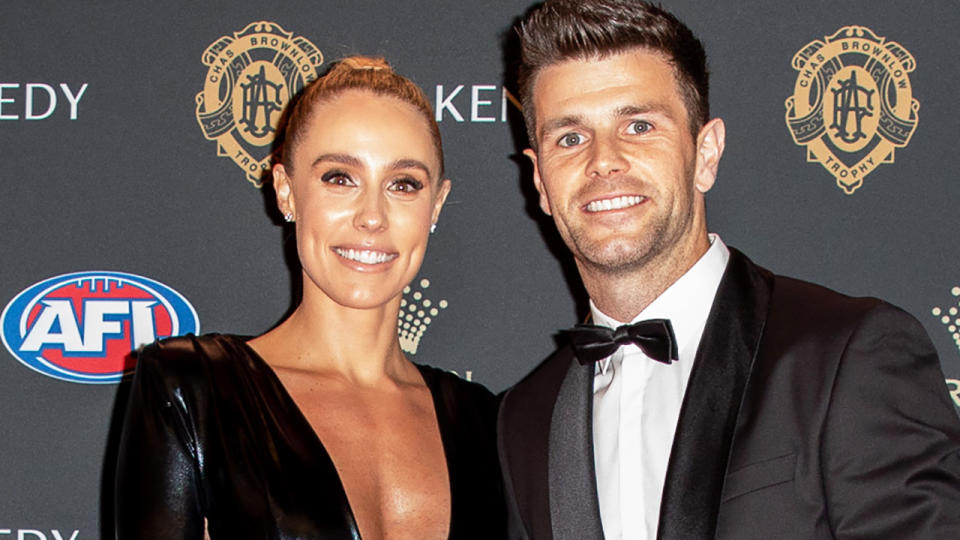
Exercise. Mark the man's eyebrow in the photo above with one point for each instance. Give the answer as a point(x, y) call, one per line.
point(620, 112)
point(560, 123)
point(631, 110)
point(409, 163)
point(345, 159)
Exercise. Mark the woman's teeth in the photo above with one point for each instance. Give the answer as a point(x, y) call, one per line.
point(365, 256)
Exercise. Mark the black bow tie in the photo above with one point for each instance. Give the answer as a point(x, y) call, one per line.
point(592, 343)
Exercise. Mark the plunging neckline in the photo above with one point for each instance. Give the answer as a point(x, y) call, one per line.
point(289, 402)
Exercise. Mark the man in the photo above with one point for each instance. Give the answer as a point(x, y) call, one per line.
point(748, 405)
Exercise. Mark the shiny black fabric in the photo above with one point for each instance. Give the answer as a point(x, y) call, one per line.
point(592, 343)
point(211, 433)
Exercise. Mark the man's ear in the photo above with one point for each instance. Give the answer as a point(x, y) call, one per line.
point(538, 182)
point(283, 187)
point(710, 144)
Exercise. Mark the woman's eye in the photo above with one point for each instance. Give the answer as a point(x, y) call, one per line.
point(337, 178)
point(570, 139)
point(406, 185)
point(639, 126)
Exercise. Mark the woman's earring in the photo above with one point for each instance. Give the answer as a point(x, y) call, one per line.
point(288, 217)
point(433, 228)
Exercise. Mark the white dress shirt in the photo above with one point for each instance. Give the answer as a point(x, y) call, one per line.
point(636, 402)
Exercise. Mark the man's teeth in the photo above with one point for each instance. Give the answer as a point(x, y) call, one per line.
point(366, 256)
point(614, 204)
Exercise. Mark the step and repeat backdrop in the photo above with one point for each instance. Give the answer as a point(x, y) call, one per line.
point(135, 204)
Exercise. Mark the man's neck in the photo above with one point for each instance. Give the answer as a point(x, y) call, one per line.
point(622, 295)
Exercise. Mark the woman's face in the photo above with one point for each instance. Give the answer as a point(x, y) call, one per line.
point(364, 191)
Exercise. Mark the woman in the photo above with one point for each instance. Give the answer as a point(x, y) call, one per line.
point(321, 428)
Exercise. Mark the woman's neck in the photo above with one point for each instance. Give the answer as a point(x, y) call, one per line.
point(359, 345)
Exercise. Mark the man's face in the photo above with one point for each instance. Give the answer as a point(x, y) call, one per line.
point(617, 166)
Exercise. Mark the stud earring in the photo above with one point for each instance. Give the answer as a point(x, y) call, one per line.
point(433, 228)
point(288, 217)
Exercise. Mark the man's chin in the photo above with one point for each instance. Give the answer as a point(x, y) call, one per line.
point(617, 258)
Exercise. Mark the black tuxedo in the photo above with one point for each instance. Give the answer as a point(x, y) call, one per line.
point(808, 414)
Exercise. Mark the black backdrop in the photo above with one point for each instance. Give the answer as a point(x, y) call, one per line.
point(125, 180)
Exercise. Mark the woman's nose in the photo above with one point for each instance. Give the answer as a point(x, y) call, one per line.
point(371, 216)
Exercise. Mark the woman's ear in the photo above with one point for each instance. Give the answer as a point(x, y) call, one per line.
point(442, 192)
point(283, 187)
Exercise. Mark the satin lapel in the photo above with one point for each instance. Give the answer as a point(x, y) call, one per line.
point(701, 446)
point(574, 506)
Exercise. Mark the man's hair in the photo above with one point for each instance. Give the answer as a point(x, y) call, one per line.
point(560, 30)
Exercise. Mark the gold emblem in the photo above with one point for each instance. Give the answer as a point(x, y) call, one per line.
point(251, 77)
point(416, 313)
point(950, 318)
point(852, 104)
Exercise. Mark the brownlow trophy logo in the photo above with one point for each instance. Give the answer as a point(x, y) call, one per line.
point(852, 104)
point(251, 76)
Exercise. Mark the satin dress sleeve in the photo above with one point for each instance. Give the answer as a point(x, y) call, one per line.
point(158, 494)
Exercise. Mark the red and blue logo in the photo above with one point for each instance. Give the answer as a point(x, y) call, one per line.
point(84, 327)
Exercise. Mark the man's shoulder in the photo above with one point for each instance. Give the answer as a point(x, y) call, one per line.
point(550, 372)
point(798, 294)
point(536, 393)
point(802, 309)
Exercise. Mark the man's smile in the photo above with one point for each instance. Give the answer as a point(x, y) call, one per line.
point(614, 203)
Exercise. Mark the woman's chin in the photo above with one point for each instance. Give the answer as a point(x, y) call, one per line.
point(366, 299)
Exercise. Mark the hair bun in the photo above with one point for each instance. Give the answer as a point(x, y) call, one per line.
point(366, 62)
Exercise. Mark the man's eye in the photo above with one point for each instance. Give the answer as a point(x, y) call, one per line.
point(570, 139)
point(639, 126)
point(406, 185)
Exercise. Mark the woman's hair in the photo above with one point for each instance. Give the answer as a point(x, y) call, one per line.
point(356, 73)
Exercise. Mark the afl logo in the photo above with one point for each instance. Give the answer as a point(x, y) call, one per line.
point(83, 327)
point(251, 77)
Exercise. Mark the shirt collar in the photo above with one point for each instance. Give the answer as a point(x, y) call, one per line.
point(686, 303)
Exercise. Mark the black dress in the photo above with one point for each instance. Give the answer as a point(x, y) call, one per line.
point(210, 432)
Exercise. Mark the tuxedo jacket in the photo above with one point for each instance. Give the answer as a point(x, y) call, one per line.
point(808, 414)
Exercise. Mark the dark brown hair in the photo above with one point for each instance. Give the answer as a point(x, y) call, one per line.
point(356, 73)
point(560, 30)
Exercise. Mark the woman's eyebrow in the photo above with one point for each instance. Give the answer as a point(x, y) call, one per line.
point(345, 159)
point(409, 163)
